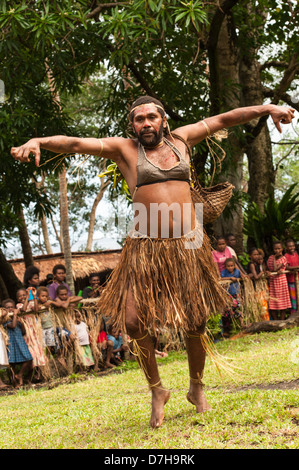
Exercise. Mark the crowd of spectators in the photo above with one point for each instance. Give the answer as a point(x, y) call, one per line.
point(31, 335)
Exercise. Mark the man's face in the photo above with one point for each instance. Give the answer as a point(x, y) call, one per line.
point(148, 125)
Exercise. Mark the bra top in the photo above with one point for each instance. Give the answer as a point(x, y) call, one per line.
point(149, 173)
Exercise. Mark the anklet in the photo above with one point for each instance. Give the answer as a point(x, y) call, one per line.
point(197, 380)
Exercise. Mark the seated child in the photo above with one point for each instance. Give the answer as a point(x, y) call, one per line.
point(18, 351)
point(105, 346)
point(119, 348)
point(230, 272)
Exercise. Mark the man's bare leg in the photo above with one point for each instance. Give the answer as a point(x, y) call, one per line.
point(196, 360)
point(147, 361)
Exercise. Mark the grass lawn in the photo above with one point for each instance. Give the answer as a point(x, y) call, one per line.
point(257, 408)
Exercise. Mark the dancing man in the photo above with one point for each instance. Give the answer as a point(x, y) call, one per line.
point(160, 281)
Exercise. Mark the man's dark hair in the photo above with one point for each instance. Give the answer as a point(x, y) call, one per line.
point(145, 100)
point(58, 266)
point(29, 273)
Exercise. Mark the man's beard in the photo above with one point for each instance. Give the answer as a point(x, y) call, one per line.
point(154, 138)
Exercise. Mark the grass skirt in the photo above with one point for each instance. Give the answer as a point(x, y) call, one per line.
point(174, 281)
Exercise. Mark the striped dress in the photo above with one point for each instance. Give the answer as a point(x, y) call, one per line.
point(279, 297)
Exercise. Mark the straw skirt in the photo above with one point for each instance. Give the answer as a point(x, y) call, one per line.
point(174, 282)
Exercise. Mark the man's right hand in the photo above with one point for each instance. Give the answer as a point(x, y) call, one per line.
point(22, 153)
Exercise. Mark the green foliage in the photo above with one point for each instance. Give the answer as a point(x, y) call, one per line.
point(279, 221)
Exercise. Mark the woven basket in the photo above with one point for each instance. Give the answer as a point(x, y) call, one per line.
point(214, 199)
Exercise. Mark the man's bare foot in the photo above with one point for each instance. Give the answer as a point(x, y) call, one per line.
point(197, 397)
point(160, 397)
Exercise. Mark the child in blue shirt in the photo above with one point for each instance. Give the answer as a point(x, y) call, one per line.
point(230, 272)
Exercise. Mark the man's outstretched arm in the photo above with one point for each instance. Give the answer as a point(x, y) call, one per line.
point(194, 133)
point(109, 147)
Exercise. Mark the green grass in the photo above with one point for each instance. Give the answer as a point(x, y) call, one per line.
point(112, 412)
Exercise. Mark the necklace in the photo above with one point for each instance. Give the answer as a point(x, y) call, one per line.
point(160, 144)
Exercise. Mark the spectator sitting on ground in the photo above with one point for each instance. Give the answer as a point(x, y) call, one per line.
point(105, 346)
point(59, 273)
point(118, 347)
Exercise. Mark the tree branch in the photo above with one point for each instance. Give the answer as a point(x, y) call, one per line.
point(103, 6)
point(273, 63)
point(145, 85)
point(286, 97)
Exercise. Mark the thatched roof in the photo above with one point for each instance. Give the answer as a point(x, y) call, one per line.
point(84, 263)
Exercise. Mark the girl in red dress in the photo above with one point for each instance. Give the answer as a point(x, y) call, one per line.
point(279, 300)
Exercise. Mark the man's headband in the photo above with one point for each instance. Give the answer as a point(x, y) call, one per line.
point(157, 106)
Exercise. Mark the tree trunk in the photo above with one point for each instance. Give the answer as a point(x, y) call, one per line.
point(64, 214)
point(47, 243)
point(92, 216)
point(3, 290)
point(24, 238)
point(259, 150)
point(273, 325)
point(226, 95)
point(12, 283)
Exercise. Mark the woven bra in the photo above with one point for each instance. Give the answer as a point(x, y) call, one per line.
point(149, 173)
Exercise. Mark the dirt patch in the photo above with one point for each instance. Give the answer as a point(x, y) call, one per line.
point(287, 385)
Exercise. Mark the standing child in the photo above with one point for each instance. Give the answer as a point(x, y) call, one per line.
point(230, 272)
point(18, 352)
point(254, 268)
point(31, 279)
point(221, 253)
point(32, 323)
point(293, 263)
point(44, 304)
point(84, 340)
point(279, 300)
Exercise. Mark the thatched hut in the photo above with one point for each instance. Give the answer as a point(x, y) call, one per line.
point(83, 263)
